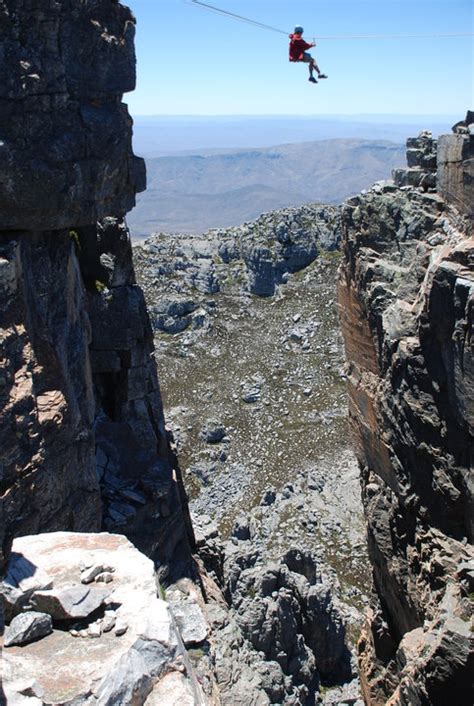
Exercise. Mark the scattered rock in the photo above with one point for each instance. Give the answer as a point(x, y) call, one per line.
point(88, 575)
point(108, 622)
point(94, 630)
point(70, 602)
point(192, 625)
point(27, 627)
point(105, 577)
point(251, 395)
point(121, 628)
point(213, 432)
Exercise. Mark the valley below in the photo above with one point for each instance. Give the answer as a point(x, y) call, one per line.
point(236, 460)
point(254, 394)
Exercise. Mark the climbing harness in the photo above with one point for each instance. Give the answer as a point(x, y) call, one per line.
point(262, 25)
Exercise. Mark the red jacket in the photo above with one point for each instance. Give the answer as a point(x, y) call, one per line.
point(297, 47)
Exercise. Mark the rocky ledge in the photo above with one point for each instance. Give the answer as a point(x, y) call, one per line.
point(86, 625)
point(406, 296)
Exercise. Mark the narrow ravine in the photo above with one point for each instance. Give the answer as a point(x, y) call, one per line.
point(255, 399)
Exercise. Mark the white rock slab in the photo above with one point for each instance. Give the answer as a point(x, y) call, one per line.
point(173, 690)
point(106, 670)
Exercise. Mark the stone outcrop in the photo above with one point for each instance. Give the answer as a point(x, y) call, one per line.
point(286, 611)
point(406, 294)
point(256, 257)
point(455, 181)
point(83, 443)
point(125, 648)
point(65, 137)
point(422, 163)
point(287, 630)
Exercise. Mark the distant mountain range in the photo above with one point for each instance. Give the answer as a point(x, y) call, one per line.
point(162, 135)
point(220, 188)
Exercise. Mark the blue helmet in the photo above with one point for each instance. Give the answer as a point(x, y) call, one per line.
point(299, 29)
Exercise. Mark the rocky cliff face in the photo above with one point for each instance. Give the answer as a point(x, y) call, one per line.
point(82, 437)
point(406, 295)
point(65, 139)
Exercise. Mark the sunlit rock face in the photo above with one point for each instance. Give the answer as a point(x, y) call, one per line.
point(406, 293)
point(65, 136)
point(83, 444)
point(111, 638)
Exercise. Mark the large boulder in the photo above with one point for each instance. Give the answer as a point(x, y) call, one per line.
point(27, 627)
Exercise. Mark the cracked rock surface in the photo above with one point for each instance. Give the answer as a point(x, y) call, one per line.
point(65, 141)
point(88, 657)
point(406, 296)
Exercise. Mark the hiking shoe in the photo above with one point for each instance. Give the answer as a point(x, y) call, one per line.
point(312, 79)
point(322, 76)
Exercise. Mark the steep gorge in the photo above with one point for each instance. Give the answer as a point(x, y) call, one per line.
point(82, 431)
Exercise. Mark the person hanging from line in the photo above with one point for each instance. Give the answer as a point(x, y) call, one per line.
point(298, 52)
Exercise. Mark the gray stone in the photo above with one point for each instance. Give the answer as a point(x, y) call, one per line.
point(73, 602)
point(268, 497)
point(105, 577)
point(27, 627)
point(108, 622)
point(90, 574)
point(192, 625)
point(94, 630)
point(241, 528)
point(252, 395)
point(120, 628)
point(213, 432)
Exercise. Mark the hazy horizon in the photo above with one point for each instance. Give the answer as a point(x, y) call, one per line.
point(162, 135)
point(305, 116)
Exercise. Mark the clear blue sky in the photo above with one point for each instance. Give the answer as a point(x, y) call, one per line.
point(193, 62)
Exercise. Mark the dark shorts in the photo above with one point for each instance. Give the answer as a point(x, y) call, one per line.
point(307, 58)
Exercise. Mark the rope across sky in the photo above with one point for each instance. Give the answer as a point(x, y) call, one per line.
point(269, 28)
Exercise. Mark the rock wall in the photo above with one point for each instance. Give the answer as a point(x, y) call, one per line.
point(65, 136)
point(406, 295)
point(82, 437)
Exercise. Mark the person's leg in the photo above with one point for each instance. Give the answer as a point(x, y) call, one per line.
point(308, 59)
point(314, 66)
